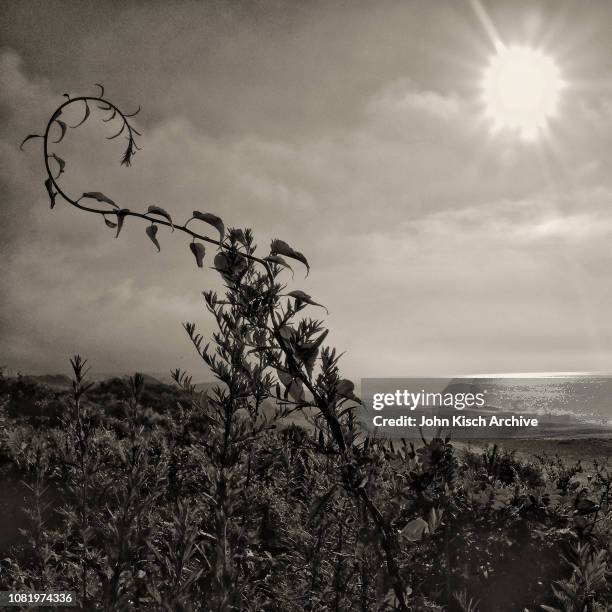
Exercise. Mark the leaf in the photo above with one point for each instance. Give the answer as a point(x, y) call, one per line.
point(296, 390)
point(152, 234)
point(228, 269)
point(118, 133)
point(435, 519)
point(212, 220)
point(113, 115)
point(132, 114)
point(84, 119)
point(157, 210)
point(319, 341)
point(28, 138)
point(52, 194)
point(120, 218)
point(197, 248)
point(276, 259)
point(346, 388)
point(304, 298)
point(96, 195)
point(280, 247)
point(415, 530)
point(237, 235)
point(363, 482)
point(293, 386)
point(221, 262)
point(307, 354)
point(60, 162)
point(109, 223)
point(63, 128)
point(126, 159)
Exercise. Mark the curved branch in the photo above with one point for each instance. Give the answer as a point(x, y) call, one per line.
point(54, 183)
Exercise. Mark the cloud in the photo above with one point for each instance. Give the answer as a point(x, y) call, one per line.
point(404, 97)
point(438, 247)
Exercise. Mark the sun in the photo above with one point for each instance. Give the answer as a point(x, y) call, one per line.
point(521, 90)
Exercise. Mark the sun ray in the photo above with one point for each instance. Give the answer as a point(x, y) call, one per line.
point(487, 24)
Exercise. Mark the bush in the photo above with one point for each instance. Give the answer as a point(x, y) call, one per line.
point(31, 401)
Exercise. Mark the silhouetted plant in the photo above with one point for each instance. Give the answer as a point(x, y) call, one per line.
point(256, 321)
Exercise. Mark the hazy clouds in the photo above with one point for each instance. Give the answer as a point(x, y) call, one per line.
point(350, 130)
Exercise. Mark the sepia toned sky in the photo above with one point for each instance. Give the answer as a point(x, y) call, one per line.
point(354, 131)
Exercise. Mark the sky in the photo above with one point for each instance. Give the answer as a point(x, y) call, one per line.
point(352, 130)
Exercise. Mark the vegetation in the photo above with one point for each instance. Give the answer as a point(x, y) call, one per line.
point(215, 501)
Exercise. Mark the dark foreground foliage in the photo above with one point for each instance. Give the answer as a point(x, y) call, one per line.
point(141, 506)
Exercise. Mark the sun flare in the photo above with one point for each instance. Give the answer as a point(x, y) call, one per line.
point(521, 87)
